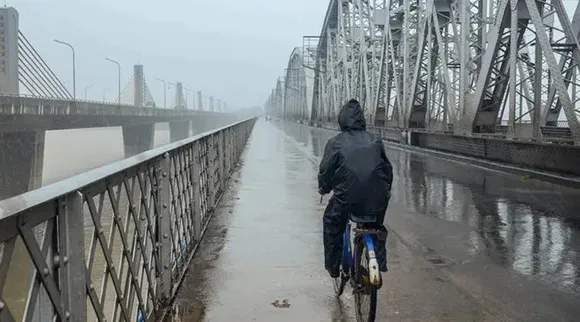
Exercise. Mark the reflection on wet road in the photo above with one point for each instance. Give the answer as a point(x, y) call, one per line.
point(527, 225)
point(264, 245)
point(499, 230)
point(466, 244)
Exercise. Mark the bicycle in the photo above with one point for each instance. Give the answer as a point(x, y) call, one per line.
point(360, 267)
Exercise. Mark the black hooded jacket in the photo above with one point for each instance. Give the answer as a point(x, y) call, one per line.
point(355, 165)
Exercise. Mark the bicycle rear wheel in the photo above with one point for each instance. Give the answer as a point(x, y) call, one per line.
point(339, 284)
point(365, 294)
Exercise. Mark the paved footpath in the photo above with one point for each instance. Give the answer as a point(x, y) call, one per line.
point(265, 244)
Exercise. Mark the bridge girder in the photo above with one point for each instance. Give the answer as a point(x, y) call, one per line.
point(452, 65)
point(349, 56)
point(298, 86)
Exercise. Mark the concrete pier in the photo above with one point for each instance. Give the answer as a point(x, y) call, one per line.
point(179, 130)
point(21, 160)
point(137, 138)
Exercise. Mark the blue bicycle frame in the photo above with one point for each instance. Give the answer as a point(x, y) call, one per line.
point(347, 260)
point(346, 252)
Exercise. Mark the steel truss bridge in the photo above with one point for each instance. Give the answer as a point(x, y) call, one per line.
point(502, 67)
point(115, 243)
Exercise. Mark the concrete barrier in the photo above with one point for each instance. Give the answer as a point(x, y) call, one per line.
point(558, 163)
point(563, 159)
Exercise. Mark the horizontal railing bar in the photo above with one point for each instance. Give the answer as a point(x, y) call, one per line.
point(17, 204)
point(33, 215)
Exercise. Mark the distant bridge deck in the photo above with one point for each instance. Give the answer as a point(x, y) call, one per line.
point(22, 113)
point(24, 120)
point(466, 244)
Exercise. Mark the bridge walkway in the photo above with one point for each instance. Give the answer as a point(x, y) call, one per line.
point(466, 244)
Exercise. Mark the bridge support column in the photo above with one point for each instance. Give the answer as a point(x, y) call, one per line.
point(206, 123)
point(138, 138)
point(178, 130)
point(21, 160)
point(199, 125)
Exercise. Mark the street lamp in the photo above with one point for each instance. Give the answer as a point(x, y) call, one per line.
point(73, 66)
point(164, 92)
point(105, 94)
point(118, 65)
point(187, 90)
point(174, 85)
point(205, 100)
point(86, 90)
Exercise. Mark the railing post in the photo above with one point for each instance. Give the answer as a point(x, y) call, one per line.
point(195, 173)
point(229, 135)
point(212, 172)
point(222, 160)
point(72, 257)
point(164, 224)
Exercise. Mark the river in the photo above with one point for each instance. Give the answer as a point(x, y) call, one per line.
point(68, 153)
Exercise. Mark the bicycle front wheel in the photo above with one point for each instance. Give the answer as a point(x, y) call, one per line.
point(365, 294)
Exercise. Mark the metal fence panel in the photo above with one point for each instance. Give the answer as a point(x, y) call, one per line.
point(114, 243)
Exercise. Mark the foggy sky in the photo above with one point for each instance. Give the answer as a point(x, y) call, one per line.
point(231, 49)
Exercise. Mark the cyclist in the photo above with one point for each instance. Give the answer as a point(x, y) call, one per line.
point(357, 169)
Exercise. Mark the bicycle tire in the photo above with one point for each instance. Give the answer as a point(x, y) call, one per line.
point(339, 285)
point(369, 290)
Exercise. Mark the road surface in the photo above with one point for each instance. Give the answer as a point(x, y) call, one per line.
point(466, 244)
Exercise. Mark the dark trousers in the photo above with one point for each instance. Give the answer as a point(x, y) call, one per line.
point(334, 224)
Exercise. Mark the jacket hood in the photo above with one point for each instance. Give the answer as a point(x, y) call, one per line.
point(351, 117)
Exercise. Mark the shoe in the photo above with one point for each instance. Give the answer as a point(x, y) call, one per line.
point(333, 274)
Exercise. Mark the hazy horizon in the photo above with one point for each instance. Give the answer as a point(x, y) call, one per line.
point(226, 49)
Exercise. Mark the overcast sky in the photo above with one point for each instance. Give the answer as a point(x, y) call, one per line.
point(231, 49)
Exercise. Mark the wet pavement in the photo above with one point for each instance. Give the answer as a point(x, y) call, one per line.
point(466, 244)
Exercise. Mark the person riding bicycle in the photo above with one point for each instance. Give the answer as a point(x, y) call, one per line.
point(354, 166)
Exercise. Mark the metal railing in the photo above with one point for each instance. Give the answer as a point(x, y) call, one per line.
point(550, 134)
point(112, 244)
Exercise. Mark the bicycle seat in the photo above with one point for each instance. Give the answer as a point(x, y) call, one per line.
point(370, 228)
point(361, 220)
